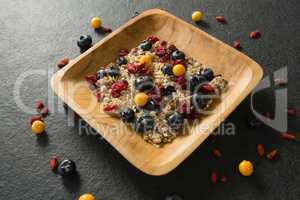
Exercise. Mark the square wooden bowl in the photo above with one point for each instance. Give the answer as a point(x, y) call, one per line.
point(69, 84)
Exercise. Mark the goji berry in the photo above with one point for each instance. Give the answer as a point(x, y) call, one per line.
point(288, 136)
point(53, 163)
point(39, 105)
point(62, 62)
point(214, 177)
point(260, 150)
point(220, 18)
point(217, 153)
point(110, 107)
point(273, 154)
point(152, 39)
point(236, 44)
point(255, 34)
point(106, 29)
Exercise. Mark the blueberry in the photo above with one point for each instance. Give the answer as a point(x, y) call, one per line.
point(168, 90)
point(144, 124)
point(113, 71)
point(176, 121)
point(195, 81)
point(178, 55)
point(66, 168)
point(151, 105)
point(208, 73)
point(127, 115)
point(101, 74)
point(199, 100)
point(121, 61)
point(173, 196)
point(143, 83)
point(146, 45)
point(167, 69)
point(84, 42)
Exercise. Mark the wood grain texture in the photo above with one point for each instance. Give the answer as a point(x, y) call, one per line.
point(70, 85)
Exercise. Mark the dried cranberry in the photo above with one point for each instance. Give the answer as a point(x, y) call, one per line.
point(163, 43)
point(62, 62)
point(236, 44)
point(106, 29)
point(160, 51)
point(164, 58)
point(92, 79)
point(152, 39)
point(220, 18)
point(39, 105)
point(110, 107)
point(255, 34)
point(118, 87)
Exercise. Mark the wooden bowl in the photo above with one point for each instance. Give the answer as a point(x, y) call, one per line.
point(69, 84)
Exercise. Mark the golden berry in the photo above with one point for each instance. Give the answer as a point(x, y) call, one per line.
point(141, 99)
point(146, 60)
point(87, 196)
point(178, 70)
point(96, 22)
point(197, 16)
point(38, 127)
point(246, 168)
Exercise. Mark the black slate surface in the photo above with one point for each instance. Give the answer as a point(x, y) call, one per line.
point(35, 34)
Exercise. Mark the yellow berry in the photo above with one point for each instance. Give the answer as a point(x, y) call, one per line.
point(141, 99)
point(246, 168)
point(178, 70)
point(95, 22)
point(87, 196)
point(197, 16)
point(38, 127)
point(146, 60)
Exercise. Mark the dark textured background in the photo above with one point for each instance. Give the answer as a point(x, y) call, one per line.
point(35, 34)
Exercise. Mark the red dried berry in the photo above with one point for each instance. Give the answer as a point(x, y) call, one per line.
point(172, 48)
point(45, 112)
point(220, 18)
point(291, 112)
point(163, 43)
point(273, 154)
point(53, 163)
point(106, 29)
point(183, 108)
point(164, 58)
point(91, 79)
point(236, 44)
point(152, 39)
point(98, 96)
point(39, 105)
point(160, 51)
point(207, 88)
point(217, 153)
point(123, 52)
point(118, 87)
point(288, 136)
point(62, 62)
point(260, 150)
point(34, 118)
point(255, 34)
point(110, 107)
point(214, 177)
point(224, 179)
point(180, 81)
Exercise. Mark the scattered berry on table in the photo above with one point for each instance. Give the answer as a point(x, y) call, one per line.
point(260, 150)
point(127, 115)
point(292, 112)
point(87, 196)
point(288, 136)
point(141, 99)
point(146, 45)
point(63, 62)
point(38, 127)
point(178, 70)
point(144, 124)
point(84, 42)
point(246, 168)
point(146, 60)
point(220, 18)
point(96, 22)
point(197, 16)
point(66, 167)
point(214, 177)
point(53, 162)
point(101, 74)
point(173, 196)
point(236, 44)
point(272, 154)
point(39, 105)
point(177, 55)
point(167, 69)
point(217, 153)
point(175, 121)
point(255, 34)
point(207, 73)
